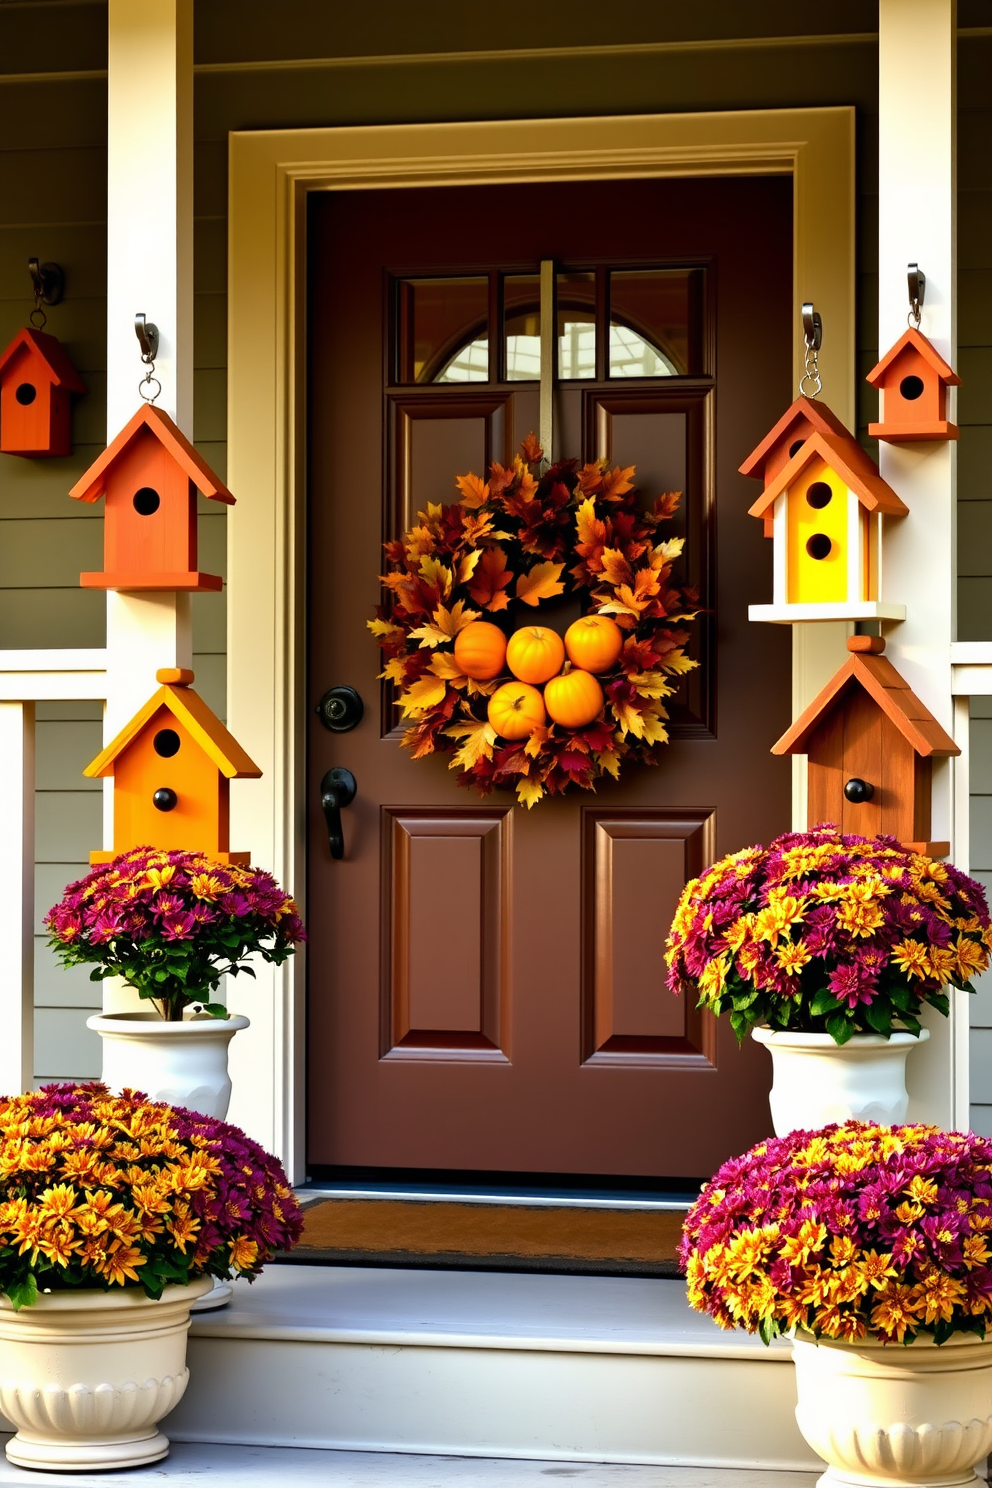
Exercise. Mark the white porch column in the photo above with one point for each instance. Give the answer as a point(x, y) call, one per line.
point(17, 895)
point(150, 270)
point(917, 224)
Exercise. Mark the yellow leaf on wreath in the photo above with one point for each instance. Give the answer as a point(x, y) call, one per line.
point(393, 671)
point(479, 736)
point(616, 608)
point(419, 540)
point(618, 482)
point(537, 740)
point(589, 528)
point(540, 583)
point(667, 552)
point(482, 689)
point(609, 760)
point(653, 730)
point(425, 693)
point(474, 491)
point(433, 571)
point(447, 624)
point(678, 663)
point(466, 567)
point(529, 791)
point(443, 664)
point(419, 746)
point(650, 684)
point(384, 627)
point(629, 718)
point(526, 490)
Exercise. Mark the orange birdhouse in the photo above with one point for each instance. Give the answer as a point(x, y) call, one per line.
point(36, 380)
point(804, 418)
point(149, 477)
point(172, 766)
point(870, 744)
point(826, 504)
point(913, 379)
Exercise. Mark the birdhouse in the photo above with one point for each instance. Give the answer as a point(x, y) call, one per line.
point(827, 503)
point(870, 743)
point(36, 380)
point(149, 477)
point(804, 418)
point(913, 379)
point(172, 766)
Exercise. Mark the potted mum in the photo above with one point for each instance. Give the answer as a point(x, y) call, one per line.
point(115, 1213)
point(171, 924)
point(870, 1246)
point(827, 948)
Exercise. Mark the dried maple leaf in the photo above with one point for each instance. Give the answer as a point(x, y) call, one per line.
point(384, 628)
point(394, 671)
point(443, 664)
point(650, 684)
point(542, 582)
point(424, 694)
point(527, 488)
point(474, 491)
point(617, 482)
point(467, 566)
point(591, 477)
point(609, 760)
point(667, 552)
point(479, 736)
point(447, 623)
point(434, 572)
point(490, 580)
point(531, 449)
point(537, 741)
point(679, 664)
point(616, 569)
point(529, 791)
point(667, 505)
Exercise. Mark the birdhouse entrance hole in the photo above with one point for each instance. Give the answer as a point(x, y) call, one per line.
point(26, 394)
point(911, 388)
point(146, 501)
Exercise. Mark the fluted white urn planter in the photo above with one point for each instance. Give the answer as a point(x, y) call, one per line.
point(183, 1064)
point(86, 1376)
point(894, 1416)
point(816, 1081)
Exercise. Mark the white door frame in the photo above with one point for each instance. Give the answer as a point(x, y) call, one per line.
point(271, 173)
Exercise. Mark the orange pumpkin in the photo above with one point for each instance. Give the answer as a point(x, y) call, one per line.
point(535, 653)
point(594, 643)
point(480, 650)
point(516, 710)
point(573, 699)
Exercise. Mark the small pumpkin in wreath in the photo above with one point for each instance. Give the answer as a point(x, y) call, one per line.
point(457, 626)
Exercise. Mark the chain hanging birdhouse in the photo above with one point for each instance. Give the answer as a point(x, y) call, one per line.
point(172, 765)
point(870, 744)
point(37, 380)
point(149, 476)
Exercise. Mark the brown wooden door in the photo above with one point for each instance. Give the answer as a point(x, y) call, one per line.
point(486, 984)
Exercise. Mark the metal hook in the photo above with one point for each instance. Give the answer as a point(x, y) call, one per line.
point(917, 282)
point(812, 327)
point(147, 334)
point(47, 282)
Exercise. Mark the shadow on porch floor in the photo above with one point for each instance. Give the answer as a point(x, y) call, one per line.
point(247, 1467)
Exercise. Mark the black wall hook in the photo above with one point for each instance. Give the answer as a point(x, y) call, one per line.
point(147, 334)
point(47, 282)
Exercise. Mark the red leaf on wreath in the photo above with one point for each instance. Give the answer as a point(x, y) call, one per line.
point(531, 449)
point(490, 580)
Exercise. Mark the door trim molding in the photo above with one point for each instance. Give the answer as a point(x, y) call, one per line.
point(271, 172)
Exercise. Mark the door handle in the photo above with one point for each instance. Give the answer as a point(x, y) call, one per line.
point(337, 790)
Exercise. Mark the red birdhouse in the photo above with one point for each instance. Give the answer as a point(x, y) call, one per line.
point(913, 379)
point(36, 380)
point(172, 767)
point(778, 447)
point(870, 743)
point(149, 477)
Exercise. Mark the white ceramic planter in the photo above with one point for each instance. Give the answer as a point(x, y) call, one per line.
point(895, 1416)
point(183, 1064)
point(86, 1376)
point(815, 1081)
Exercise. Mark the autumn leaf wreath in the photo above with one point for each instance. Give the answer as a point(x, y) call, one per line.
point(472, 686)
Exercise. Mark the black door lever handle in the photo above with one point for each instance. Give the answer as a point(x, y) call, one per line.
point(337, 789)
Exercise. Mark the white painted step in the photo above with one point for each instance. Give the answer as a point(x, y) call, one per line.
point(489, 1365)
point(252, 1467)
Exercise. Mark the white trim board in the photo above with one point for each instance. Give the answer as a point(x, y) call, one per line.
point(271, 173)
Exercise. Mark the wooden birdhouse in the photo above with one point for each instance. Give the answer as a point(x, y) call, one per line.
point(36, 383)
point(172, 766)
point(804, 418)
point(870, 743)
point(827, 503)
point(149, 477)
point(913, 379)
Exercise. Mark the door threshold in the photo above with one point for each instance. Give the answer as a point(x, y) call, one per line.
point(461, 1193)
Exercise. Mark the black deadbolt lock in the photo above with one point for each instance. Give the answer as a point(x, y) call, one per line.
point(858, 790)
point(340, 709)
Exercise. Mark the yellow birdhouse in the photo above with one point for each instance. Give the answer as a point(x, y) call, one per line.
point(172, 766)
point(826, 504)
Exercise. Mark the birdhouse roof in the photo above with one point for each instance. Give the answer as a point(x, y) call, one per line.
point(151, 420)
point(803, 411)
point(889, 690)
point(848, 460)
point(30, 342)
point(912, 340)
point(201, 723)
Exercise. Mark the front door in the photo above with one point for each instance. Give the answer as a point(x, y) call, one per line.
point(486, 983)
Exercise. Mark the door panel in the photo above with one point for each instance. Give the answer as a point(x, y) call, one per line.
point(486, 984)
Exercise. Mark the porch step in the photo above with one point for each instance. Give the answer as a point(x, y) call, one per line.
point(487, 1365)
point(264, 1467)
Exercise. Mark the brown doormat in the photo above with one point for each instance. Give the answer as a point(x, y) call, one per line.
point(491, 1237)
